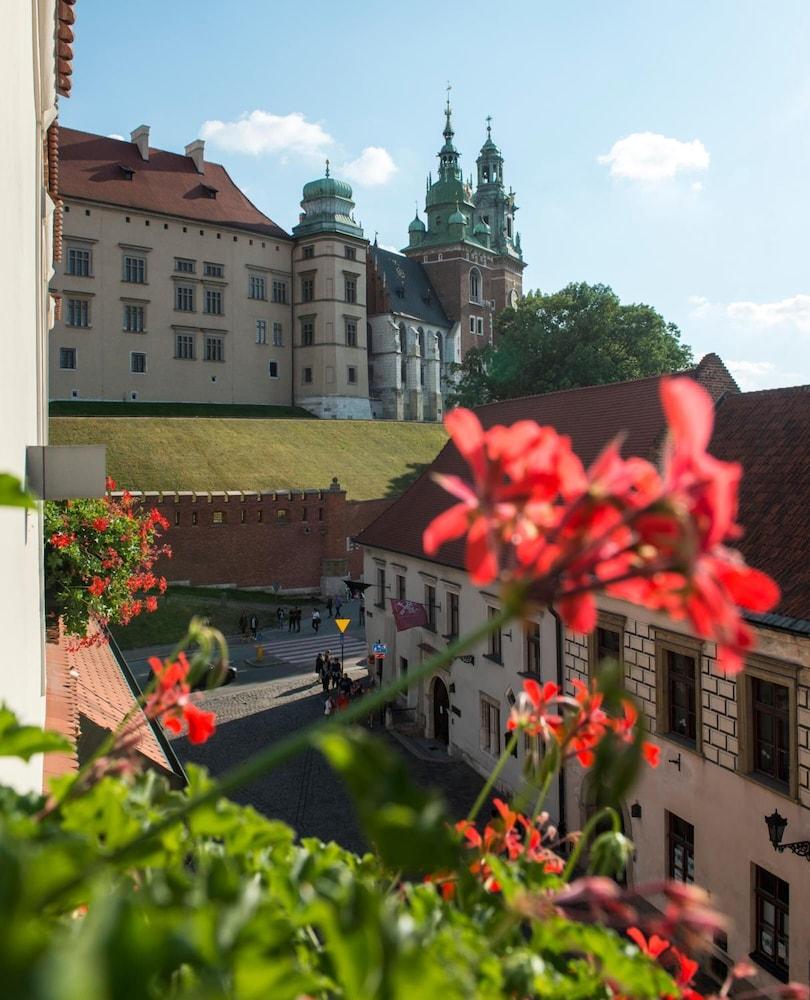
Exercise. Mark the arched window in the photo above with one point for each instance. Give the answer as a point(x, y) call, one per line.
point(403, 339)
point(475, 285)
point(421, 337)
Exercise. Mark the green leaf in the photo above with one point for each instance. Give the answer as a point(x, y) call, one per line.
point(26, 741)
point(12, 493)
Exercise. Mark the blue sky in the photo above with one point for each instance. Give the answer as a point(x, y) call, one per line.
point(660, 148)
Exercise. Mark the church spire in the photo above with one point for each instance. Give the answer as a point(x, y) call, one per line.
point(449, 169)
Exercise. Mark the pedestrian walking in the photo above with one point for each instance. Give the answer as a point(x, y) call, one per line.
point(325, 677)
point(254, 626)
point(319, 665)
point(338, 605)
point(337, 672)
point(280, 616)
point(243, 625)
point(329, 605)
point(329, 706)
point(316, 619)
point(291, 620)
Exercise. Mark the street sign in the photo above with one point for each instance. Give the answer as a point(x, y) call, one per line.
point(379, 648)
point(343, 624)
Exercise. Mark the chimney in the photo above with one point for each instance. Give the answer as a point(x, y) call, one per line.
point(195, 151)
point(141, 139)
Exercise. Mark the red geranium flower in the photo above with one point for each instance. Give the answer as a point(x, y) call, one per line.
point(97, 587)
point(101, 523)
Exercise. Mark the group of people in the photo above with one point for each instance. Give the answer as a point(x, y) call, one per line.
point(249, 625)
point(338, 687)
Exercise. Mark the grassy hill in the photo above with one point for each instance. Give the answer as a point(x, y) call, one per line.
point(370, 458)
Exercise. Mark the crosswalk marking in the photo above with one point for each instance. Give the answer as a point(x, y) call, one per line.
point(304, 651)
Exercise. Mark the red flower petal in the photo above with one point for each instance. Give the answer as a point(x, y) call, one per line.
point(201, 724)
point(579, 612)
point(481, 558)
point(690, 414)
point(451, 524)
point(468, 436)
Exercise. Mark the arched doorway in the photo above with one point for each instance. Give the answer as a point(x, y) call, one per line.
point(441, 712)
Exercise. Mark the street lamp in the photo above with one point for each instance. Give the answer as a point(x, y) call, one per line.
point(776, 830)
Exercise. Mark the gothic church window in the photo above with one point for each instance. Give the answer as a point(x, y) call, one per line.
point(475, 285)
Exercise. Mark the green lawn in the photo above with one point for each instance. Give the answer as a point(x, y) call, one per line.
point(370, 458)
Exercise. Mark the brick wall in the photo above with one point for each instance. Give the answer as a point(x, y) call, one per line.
point(297, 539)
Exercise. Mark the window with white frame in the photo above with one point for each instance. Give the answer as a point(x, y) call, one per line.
point(134, 318)
point(184, 265)
point(490, 725)
point(134, 269)
point(430, 606)
point(381, 587)
point(257, 286)
point(213, 270)
point(184, 346)
point(137, 363)
point(261, 331)
point(214, 348)
point(532, 648)
point(279, 291)
point(272, 369)
point(452, 613)
point(495, 642)
point(184, 298)
point(67, 358)
point(213, 302)
point(78, 312)
point(472, 324)
point(278, 335)
point(351, 333)
point(479, 326)
point(78, 262)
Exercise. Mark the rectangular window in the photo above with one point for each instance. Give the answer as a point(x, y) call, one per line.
point(772, 916)
point(680, 849)
point(218, 517)
point(137, 363)
point(213, 302)
point(278, 335)
point(351, 333)
point(307, 376)
point(257, 287)
point(184, 298)
point(479, 327)
point(380, 602)
point(67, 358)
point(135, 270)
point(495, 650)
point(452, 614)
point(430, 606)
point(184, 265)
point(280, 291)
point(309, 252)
point(681, 695)
point(351, 253)
point(351, 289)
point(533, 648)
point(134, 319)
point(605, 643)
point(214, 349)
point(261, 331)
point(213, 270)
point(472, 324)
point(307, 289)
point(78, 262)
point(400, 587)
point(184, 346)
point(490, 726)
point(272, 369)
point(78, 312)
point(351, 374)
point(770, 715)
point(403, 667)
point(307, 333)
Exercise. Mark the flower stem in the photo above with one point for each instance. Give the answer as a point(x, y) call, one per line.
point(606, 812)
point(493, 777)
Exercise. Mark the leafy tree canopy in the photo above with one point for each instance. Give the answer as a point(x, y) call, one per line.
point(581, 335)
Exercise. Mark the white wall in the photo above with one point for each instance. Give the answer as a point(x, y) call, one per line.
point(26, 109)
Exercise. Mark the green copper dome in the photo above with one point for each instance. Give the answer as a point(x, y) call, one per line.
point(457, 218)
point(327, 187)
point(417, 226)
point(482, 227)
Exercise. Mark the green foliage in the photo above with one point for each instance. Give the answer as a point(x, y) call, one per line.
point(228, 904)
point(25, 741)
point(12, 493)
point(581, 335)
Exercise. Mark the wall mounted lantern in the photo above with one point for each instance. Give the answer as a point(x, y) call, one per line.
point(776, 830)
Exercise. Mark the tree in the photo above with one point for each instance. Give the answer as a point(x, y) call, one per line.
point(581, 335)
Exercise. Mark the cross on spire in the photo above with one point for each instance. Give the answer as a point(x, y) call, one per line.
point(489, 126)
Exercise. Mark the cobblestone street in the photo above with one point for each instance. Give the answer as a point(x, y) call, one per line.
point(270, 702)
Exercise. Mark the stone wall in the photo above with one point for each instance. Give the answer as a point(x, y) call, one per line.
point(290, 540)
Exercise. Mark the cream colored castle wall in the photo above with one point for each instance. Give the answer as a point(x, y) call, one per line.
point(103, 351)
point(27, 89)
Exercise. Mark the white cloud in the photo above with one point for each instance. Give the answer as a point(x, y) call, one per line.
point(791, 312)
point(115, 135)
point(373, 167)
point(262, 132)
point(751, 375)
point(697, 187)
point(651, 158)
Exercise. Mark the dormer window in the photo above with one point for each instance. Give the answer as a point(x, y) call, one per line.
point(128, 172)
point(210, 192)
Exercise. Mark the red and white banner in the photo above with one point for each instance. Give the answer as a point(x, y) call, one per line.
point(408, 614)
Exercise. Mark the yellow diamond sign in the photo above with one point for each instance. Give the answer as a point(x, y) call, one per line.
point(343, 623)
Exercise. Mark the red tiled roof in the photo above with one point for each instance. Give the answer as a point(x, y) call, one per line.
point(65, 18)
point(166, 183)
point(768, 432)
point(87, 695)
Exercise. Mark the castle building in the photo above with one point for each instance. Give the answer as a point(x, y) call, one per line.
point(174, 287)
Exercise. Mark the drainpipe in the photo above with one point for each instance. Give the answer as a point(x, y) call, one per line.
point(560, 637)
